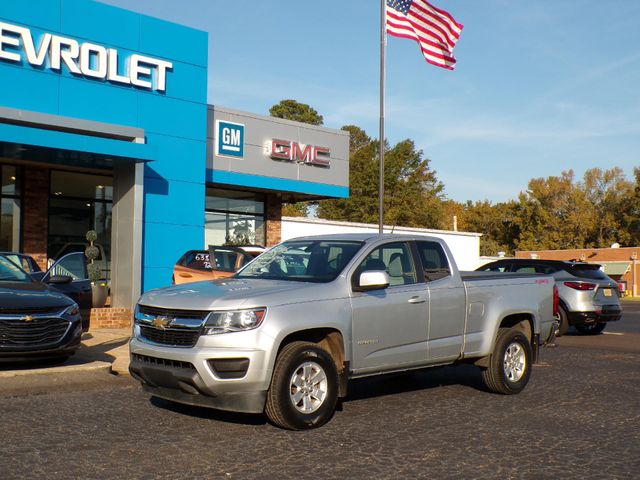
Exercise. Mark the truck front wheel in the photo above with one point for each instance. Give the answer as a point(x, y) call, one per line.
point(304, 387)
point(510, 363)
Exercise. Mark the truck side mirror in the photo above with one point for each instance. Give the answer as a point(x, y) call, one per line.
point(372, 280)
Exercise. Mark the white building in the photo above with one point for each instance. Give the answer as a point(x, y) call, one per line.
point(465, 246)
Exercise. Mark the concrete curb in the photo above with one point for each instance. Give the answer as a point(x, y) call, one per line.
point(57, 370)
point(102, 349)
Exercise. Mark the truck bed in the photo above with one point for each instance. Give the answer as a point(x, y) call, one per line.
point(471, 276)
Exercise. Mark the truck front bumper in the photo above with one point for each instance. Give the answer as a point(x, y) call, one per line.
point(226, 379)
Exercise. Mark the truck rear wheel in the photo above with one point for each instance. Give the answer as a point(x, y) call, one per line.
point(304, 387)
point(510, 363)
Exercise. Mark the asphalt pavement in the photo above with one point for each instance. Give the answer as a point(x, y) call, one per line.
point(578, 418)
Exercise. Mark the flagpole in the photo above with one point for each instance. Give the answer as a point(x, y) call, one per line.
point(382, 75)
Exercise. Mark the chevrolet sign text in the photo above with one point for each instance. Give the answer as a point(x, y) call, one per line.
point(81, 58)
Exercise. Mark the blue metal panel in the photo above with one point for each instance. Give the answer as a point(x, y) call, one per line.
point(100, 23)
point(185, 81)
point(177, 158)
point(99, 101)
point(28, 89)
point(277, 184)
point(156, 277)
point(174, 121)
point(41, 13)
point(70, 141)
point(177, 118)
point(170, 40)
point(165, 202)
point(164, 250)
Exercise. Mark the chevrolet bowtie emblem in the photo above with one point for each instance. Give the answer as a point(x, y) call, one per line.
point(162, 322)
point(27, 318)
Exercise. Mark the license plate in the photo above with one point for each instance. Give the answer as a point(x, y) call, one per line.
point(607, 292)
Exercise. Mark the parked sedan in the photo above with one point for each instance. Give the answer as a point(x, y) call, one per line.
point(35, 321)
point(217, 262)
point(68, 275)
point(27, 263)
point(588, 297)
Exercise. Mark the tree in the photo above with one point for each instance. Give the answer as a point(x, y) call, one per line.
point(294, 110)
point(496, 222)
point(607, 192)
point(553, 214)
point(299, 112)
point(300, 209)
point(630, 211)
point(413, 193)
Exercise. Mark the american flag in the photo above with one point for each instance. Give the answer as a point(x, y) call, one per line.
point(435, 30)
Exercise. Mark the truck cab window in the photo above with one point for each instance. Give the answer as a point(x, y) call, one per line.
point(393, 258)
point(434, 261)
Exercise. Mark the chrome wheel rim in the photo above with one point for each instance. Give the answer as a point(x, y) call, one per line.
point(515, 362)
point(308, 387)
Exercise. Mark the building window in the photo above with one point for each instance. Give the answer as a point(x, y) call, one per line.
point(80, 202)
point(234, 218)
point(10, 202)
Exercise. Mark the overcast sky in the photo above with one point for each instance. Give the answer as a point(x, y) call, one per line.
point(540, 86)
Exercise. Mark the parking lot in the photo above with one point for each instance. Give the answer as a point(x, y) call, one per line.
point(578, 418)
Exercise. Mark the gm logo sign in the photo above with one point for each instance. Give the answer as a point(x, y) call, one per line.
point(230, 139)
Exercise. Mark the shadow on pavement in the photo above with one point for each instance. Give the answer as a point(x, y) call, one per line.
point(209, 413)
point(466, 375)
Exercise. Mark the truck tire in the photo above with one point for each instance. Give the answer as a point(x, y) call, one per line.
point(593, 329)
point(304, 387)
point(509, 364)
point(564, 322)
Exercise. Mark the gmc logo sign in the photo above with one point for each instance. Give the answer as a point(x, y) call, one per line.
point(299, 153)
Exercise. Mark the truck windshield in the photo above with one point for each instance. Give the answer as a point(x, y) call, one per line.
point(318, 261)
point(10, 272)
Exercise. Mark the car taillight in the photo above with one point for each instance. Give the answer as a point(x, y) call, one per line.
point(581, 285)
point(556, 301)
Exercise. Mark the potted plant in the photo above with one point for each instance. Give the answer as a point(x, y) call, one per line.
point(99, 287)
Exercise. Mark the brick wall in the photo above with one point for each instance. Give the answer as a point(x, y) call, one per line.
point(274, 219)
point(35, 224)
point(110, 318)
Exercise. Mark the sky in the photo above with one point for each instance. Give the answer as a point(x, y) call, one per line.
point(540, 86)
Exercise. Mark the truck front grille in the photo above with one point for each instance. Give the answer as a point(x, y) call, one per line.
point(155, 311)
point(162, 362)
point(174, 337)
point(38, 332)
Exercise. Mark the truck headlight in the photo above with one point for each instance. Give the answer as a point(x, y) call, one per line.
point(234, 320)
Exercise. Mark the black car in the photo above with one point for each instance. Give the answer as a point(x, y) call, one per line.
point(25, 262)
point(67, 275)
point(35, 321)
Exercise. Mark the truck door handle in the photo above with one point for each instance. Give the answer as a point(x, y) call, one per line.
point(417, 299)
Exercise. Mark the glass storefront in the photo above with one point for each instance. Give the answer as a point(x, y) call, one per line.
point(10, 203)
point(234, 218)
point(80, 202)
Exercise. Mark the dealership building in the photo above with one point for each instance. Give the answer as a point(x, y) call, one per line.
point(105, 126)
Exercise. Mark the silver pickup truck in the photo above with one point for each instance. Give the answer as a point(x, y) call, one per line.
point(286, 333)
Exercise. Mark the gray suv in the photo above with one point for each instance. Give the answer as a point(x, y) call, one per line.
point(588, 297)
